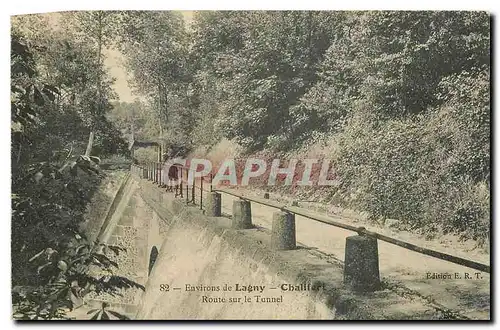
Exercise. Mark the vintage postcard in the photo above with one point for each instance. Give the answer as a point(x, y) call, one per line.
point(251, 165)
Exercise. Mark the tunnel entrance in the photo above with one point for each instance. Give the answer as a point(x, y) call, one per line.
point(152, 258)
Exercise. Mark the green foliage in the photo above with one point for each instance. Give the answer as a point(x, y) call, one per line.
point(69, 65)
point(431, 171)
point(28, 94)
point(261, 65)
point(403, 95)
point(52, 182)
point(105, 314)
point(391, 64)
point(156, 51)
point(96, 30)
point(66, 276)
point(145, 155)
point(109, 141)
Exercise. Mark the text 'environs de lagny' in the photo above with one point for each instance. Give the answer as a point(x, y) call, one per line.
point(237, 287)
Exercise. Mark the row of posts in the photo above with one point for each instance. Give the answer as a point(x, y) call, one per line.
point(150, 171)
point(153, 171)
point(361, 263)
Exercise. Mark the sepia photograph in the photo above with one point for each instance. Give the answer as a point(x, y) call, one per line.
point(221, 165)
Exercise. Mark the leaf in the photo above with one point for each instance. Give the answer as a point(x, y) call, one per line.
point(63, 293)
point(104, 316)
point(52, 89)
point(36, 255)
point(93, 310)
point(96, 316)
point(38, 176)
point(118, 315)
point(49, 91)
point(62, 265)
point(116, 249)
point(75, 292)
point(86, 159)
point(49, 95)
point(120, 282)
point(95, 159)
point(81, 249)
point(102, 259)
point(43, 266)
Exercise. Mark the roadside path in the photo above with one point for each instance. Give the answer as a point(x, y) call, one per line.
point(401, 268)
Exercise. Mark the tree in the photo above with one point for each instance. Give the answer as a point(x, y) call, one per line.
point(264, 63)
point(98, 28)
point(51, 186)
point(155, 47)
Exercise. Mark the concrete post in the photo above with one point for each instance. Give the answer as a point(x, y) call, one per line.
point(158, 177)
point(242, 214)
point(156, 172)
point(163, 181)
point(361, 271)
point(214, 202)
point(159, 174)
point(283, 231)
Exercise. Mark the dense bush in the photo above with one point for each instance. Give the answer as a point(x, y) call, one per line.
point(145, 155)
point(429, 170)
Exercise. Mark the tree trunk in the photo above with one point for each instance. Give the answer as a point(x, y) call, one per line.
point(161, 114)
point(90, 144)
point(98, 98)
